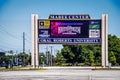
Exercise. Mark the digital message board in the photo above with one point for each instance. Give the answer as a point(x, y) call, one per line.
point(69, 28)
point(69, 31)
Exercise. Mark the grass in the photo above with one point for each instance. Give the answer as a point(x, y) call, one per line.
point(20, 69)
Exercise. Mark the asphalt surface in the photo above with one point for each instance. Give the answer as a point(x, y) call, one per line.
point(61, 74)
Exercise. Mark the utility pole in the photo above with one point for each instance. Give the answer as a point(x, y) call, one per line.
point(47, 55)
point(51, 55)
point(23, 42)
point(23, 48)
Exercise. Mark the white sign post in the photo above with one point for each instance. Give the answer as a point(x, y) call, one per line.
point(104, 40)
point(35, 48)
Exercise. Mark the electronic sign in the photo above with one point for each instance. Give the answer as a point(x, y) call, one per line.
point(69, 28)
point(69, 31)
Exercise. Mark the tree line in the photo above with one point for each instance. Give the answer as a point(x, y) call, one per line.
point(89, 55)
point(78, 55)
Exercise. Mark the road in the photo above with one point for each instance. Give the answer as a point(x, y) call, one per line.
point(70, 73)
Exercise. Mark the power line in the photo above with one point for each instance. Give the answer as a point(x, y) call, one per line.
point(3, 43)
point(6, 43)
point(27, 36)
point(4, 31)
point(28, 39)
point(8, 47)
point(11, 35)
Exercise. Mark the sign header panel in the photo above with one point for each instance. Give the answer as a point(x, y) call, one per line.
point(56, 16)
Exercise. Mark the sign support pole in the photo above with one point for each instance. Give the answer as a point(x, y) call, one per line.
point(34, 54)
point(104, 40)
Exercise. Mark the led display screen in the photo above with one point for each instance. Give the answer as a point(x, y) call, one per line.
point(69, 28)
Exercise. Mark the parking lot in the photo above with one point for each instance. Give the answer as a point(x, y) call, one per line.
point(58, 73)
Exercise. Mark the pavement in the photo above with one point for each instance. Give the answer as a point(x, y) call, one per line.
point(62, 73)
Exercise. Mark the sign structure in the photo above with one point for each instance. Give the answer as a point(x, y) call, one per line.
point(69, 29)
point(62, 31)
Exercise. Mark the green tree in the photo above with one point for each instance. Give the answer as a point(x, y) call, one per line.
point(26, 58)
point(91, 54)
point(97, 55)
point(42, 58)
point(88, 54)
point(59, 59)
point(4, 61)
point(91, 58)
point(114, 48)
point(80, 54)
point(112, 58)
point(68, 54)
